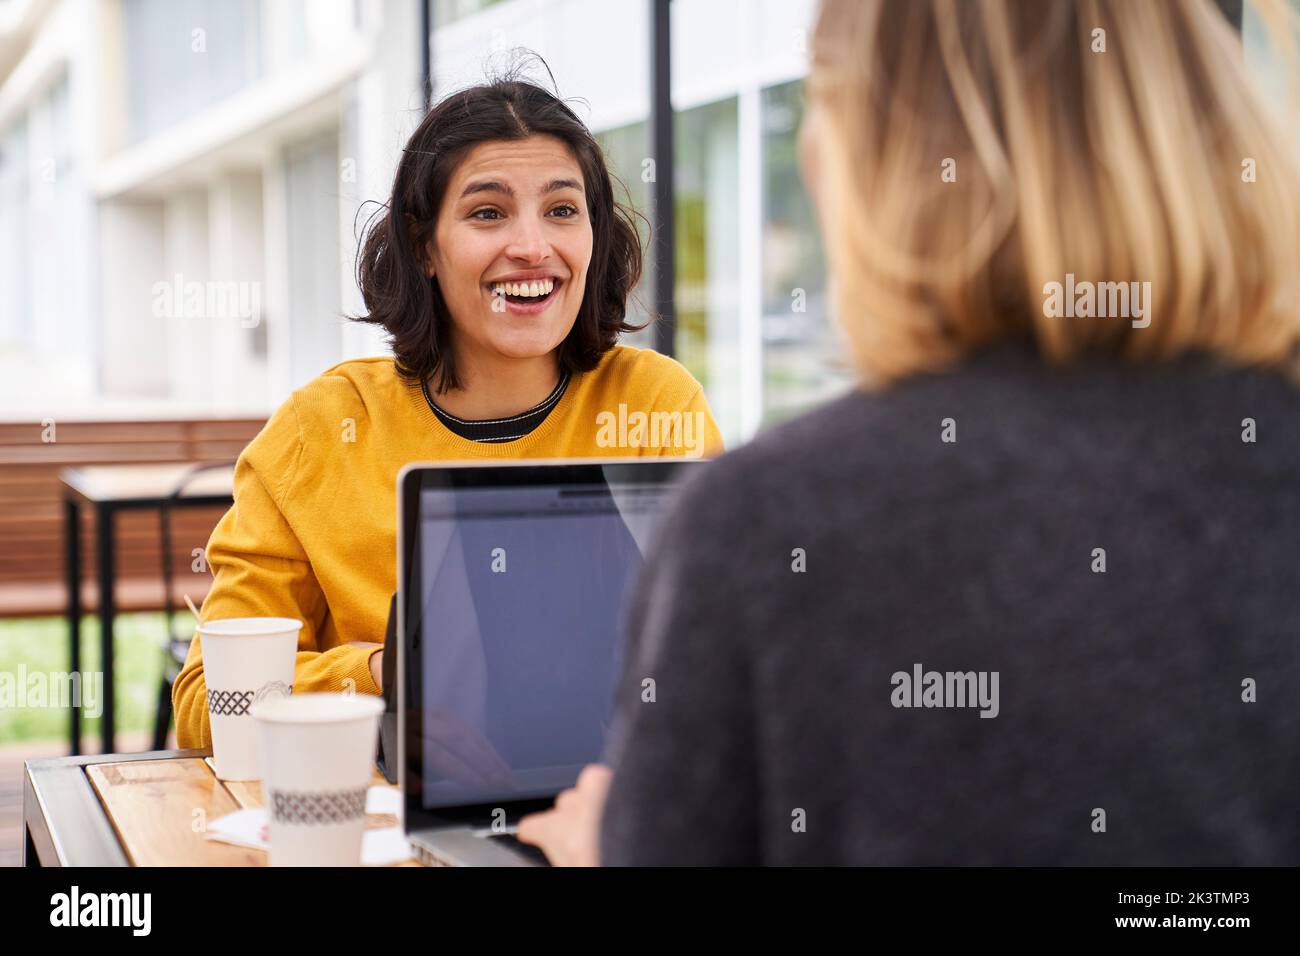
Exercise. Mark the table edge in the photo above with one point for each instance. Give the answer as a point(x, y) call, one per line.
point(73, 488)
point(82, 760)
point(87, 838)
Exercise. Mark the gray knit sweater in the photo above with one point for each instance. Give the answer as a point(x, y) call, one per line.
point(847, 713)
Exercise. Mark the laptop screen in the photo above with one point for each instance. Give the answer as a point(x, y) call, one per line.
point(522, 591)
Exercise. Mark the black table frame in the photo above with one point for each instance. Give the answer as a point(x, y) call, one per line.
point(106, 551)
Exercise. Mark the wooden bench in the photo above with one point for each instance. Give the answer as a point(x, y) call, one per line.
point(31, 509)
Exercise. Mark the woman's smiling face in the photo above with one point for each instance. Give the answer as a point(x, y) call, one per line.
point(515, 211)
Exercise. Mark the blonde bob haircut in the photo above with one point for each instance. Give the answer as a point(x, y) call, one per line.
point(974, 151)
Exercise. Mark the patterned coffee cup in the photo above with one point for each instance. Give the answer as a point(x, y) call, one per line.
point(318, 757)
point(245, 659)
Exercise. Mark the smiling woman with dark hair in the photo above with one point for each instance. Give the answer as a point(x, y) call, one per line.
point(434, 264)
point(501, 270)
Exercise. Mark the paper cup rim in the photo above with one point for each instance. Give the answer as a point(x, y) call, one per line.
point(262, 626)
point(317, 708)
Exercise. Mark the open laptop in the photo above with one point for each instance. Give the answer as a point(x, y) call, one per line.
point(512, 584)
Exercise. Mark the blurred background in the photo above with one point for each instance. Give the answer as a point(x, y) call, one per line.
point(237, 141)
point(182, 189)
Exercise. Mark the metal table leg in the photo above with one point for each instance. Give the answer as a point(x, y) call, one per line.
point(72, 560)
point(107, 552)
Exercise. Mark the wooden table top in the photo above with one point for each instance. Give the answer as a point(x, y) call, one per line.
point(123, 483)
point(159, 808)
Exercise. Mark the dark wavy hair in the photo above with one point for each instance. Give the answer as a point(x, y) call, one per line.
point(410, 306)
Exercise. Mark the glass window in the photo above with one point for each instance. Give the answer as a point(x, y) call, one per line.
point(626, 149)
point(184, 55)
point(707, 338)
point(800, 365)
point(706, 221)
point(449, 11)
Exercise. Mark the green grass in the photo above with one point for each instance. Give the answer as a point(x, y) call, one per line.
point(41, 645)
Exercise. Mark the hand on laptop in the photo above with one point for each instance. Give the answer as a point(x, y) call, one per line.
point(569, 833)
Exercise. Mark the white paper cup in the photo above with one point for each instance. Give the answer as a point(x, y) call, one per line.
point(245, 659)
point(318, 757)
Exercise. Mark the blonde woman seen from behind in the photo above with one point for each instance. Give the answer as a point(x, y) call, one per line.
point(1022, 598)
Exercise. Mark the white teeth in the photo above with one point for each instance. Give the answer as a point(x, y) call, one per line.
point(534, 288)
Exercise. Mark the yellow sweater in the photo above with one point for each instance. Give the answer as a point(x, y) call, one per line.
point(312, 532)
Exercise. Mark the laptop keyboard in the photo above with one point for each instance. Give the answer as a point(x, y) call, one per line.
point(510, 842)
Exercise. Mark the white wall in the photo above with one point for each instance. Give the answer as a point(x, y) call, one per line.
point(384, 107)
point(185, 260)
point(236, 253)
point(45, 93)
point(134, 342)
